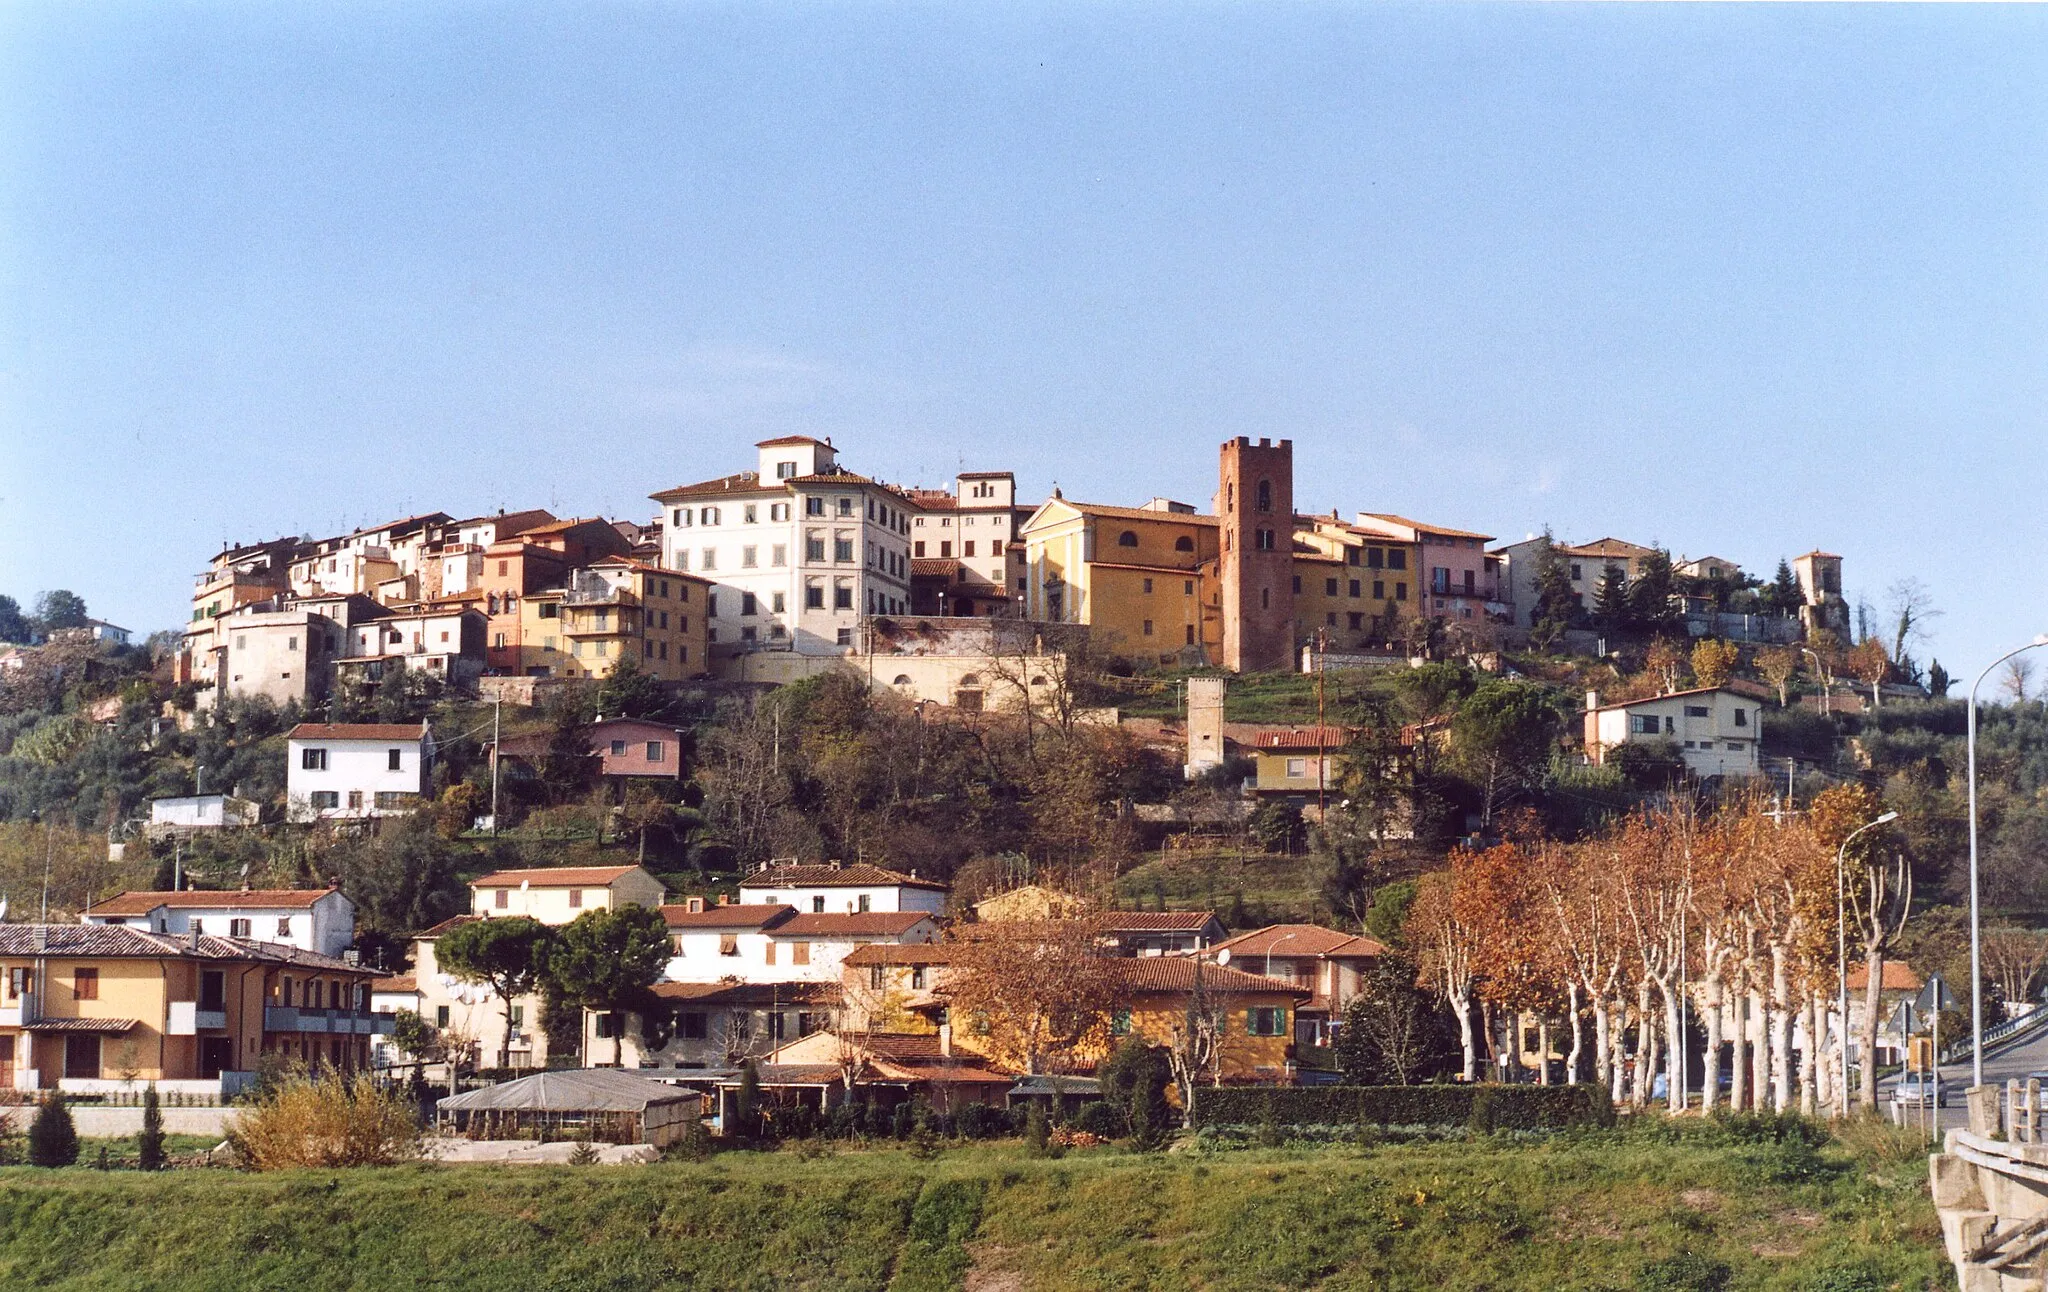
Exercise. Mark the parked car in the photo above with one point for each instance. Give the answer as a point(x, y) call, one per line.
point(1918, 1090)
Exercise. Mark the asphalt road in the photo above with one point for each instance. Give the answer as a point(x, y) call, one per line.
point(2022, 1060)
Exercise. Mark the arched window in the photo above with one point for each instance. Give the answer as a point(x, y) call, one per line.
point(1037, 680)
point(1183, 544)
point(1129, 538)
point(971, 679)
point(1265, 495)
point(902, 679)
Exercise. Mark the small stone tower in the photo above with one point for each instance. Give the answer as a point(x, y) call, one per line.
point(1205, 725)
point(1820, 588)
point(1255, 509)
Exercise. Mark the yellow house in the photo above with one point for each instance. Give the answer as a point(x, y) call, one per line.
point(93, 1008)
point(618, 607)
point(1030, 902)
point(1351, 584)
point(558, 894)
point(903, 989)
point(1300, 763)
point(1143, 579)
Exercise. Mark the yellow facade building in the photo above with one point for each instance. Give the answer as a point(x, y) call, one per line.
point(92, 1008)
point(1143, 579)
point(1352, 585)
point(618, 607)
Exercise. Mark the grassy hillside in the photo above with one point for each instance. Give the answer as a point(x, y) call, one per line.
point(1650, 1208)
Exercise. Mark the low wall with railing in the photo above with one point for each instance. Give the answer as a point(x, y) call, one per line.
point(1990, 1187)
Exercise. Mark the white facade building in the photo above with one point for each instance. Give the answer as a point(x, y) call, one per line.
point(757, 943)
point(835, 889)
point(319, 920)
point(797, 551)
point(348, 771)
point(200, 812)
point(1716, 731)
point(557, 895)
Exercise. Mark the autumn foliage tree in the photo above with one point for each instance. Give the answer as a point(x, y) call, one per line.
point(1714, 661)
point(1035, 993)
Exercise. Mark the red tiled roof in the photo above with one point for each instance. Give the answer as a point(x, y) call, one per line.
point(397, 984)
point(784, 441)
point(942, 567)
point(727, 917)
point(357, 731)
point(1388, 517)
point(1177, 974)
point(142, 903)
point(1898, 976)
point(1669, 695)
point(1139, 513)
point(119, 941)
point(1298, 940)
point(750, 993)
point(446, 925)
point(1313, 738)
point(858, 875)
point(890, 955)
point(551, 876)
point(852, 924)
point(1153, 921)
point(737, 483)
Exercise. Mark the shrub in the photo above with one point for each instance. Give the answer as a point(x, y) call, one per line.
point(52, 1139)
point(327, 1121)
point(1505, 1107)
point(1036, 1134)
point(1099, 1119)
point(150, 1144)
point(979, 1121)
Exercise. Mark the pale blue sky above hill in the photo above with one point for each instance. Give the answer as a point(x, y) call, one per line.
point(1738, 279)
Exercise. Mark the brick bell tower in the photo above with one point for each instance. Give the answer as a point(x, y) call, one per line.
point(1255, 509)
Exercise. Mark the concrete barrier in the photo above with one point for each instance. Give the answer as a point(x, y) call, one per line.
point(107, 1123)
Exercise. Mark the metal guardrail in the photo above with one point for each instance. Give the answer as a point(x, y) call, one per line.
point(2012, 1030)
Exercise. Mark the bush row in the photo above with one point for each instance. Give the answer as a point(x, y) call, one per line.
point(1481, 1107)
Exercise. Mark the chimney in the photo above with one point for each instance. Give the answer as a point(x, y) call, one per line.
point(833, 864)
point(725, 899)
point(945, 1040)
point(1592, 700)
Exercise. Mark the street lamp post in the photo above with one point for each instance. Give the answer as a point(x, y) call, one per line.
point(1269, 950)
point(1976, 943)
point(1842, 962)
point(1826, 690)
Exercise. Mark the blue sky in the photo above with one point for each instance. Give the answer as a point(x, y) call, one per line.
point(1738, 279)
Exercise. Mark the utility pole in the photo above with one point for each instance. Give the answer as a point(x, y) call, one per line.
point(1322, 644)
point(497, 707)
point(49, 848)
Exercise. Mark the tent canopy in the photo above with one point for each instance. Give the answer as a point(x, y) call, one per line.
point(605, 1090)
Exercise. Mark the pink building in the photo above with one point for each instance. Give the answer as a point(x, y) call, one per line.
point(1455, 576)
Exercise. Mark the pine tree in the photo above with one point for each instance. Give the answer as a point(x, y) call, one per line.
point(1557, 602)
point(1611, 600)
point(1650, 595)
point(150, 1144)
point(1036, 1133)
point(746, 1105)
point(1146, 1116)
point(1783, 594)
point(52, 1139)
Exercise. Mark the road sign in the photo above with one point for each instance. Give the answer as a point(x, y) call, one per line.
point(1935, 996)
point(1905, 1018)
point(1920, 1054)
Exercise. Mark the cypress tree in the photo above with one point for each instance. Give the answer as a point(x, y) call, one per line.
point(746, 1105)
point(150, 1144)
point(52, 1139)
point(1145, 1116)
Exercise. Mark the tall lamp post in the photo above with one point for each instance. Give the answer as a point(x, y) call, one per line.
point(1842, 961)
point(1976, 943)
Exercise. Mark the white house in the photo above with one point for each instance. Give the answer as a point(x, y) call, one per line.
point(835, 889)
point(353, 771)
point(798, 550)
point(319, 920)
point(200, 812)
point(759, 943)
point(1716, 731)
point(558, 894)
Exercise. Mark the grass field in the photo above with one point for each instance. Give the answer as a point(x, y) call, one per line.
point(1648, 1208)
point(1274, 888)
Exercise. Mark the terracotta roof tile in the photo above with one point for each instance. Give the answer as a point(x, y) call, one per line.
point(1298, 940)
point(551, 876)
point(858, 875)
point(739, 916)
point(852, 924)
point(142, 903)
point(1154, 921)
point(889, 955)
point(1177, 974)
point(357, 731)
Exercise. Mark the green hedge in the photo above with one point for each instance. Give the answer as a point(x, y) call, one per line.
point(1482, 1107)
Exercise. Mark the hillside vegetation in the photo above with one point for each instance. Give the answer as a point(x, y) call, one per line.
point(1741, 1206)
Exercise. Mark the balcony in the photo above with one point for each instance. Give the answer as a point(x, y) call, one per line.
point(188, 1018)
point(343, 1022)
point(598, 595)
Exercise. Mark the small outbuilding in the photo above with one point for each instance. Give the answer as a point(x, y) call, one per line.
point(602, 1104)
